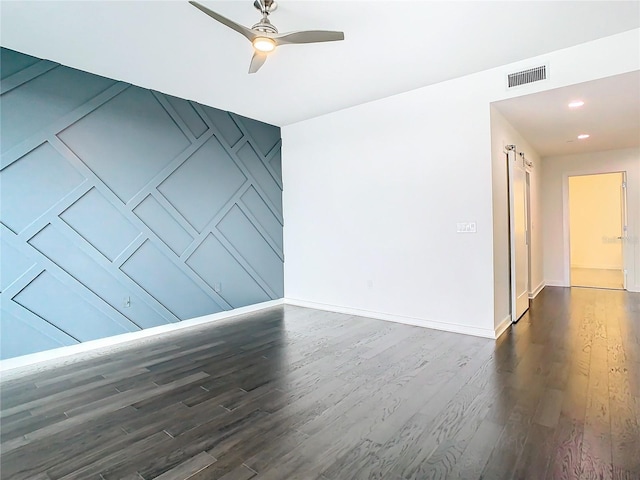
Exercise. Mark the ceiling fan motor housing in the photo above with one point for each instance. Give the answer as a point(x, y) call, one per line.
point(265, 25)
point(269, 6)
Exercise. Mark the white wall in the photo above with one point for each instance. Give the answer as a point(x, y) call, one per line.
point(503, 133)
point(595, 220)
point(373, 193)
point(555, 175)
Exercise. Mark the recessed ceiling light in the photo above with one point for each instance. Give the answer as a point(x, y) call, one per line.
point(583, 136)
point(576, 104)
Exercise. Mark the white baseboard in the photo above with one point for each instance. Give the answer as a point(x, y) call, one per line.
point(598, 267)
point(558, 283)
point(93, 345)
point(416, 322)
point(502, 326)
point(537, 290)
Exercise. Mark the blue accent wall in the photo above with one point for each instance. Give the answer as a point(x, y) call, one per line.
point(123, 208)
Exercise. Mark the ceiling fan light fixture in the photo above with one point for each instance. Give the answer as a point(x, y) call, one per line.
point(264, 36)
point(264, 44)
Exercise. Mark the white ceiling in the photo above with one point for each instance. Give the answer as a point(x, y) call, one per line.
point(390, 46)
point(610, 115)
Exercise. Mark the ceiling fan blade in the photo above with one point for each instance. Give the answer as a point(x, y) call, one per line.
point(308, 36)
point(246, 32)
point(257, 61)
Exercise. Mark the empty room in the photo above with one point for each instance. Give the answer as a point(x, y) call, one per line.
point(319, 240)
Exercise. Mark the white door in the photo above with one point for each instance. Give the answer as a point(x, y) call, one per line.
point(518, 235)
point(625, 229)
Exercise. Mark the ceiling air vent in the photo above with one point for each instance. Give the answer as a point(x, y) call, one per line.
point(527, 76)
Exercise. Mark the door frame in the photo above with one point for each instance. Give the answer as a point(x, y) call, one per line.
point(527, 179)
point(566, 230)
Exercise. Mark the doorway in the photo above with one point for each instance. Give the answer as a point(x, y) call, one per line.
point(597, 225)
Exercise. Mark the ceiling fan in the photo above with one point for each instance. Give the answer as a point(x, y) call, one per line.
point(265, 37)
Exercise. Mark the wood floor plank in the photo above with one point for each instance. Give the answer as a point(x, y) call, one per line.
point(80, 415)
point(198, 439)
point(414, 464)
point(351, 464)
point(261, 460)
point(112, 445)
point(132, 476)
point(504, 458)
point(296, 393)
point(239, 473)
point(548, 411)
point(476, 454)
point(94, 436)
point(188, 468)
point(115, 465)
point(596, 462)
point(625, 425)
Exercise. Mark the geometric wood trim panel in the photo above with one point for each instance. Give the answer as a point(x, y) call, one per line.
point(122, 208)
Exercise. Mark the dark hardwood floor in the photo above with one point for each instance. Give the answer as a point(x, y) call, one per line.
point(293, 393)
